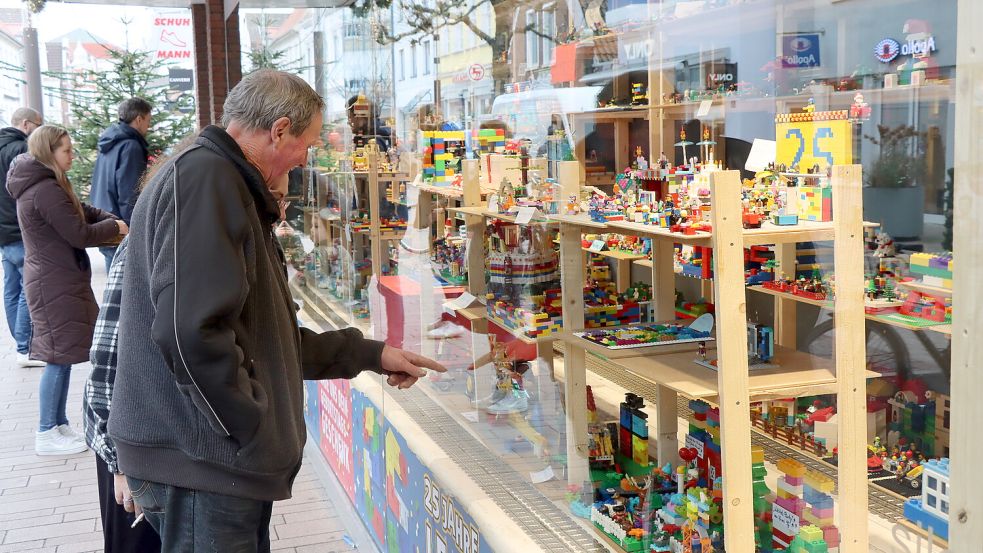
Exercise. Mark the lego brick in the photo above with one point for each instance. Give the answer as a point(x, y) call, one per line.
point(792, 467)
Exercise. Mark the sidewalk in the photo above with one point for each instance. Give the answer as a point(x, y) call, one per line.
point(51, 504)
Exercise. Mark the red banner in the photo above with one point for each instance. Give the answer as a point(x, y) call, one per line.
point(336, 431)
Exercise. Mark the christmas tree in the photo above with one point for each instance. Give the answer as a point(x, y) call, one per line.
point(94, 98)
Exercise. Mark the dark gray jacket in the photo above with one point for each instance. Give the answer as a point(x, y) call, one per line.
point(209, 384)
point(13, 142)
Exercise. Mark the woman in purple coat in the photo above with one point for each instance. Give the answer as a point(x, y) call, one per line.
point(57, 228)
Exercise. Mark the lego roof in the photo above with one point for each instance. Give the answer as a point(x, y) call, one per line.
point(939, 466)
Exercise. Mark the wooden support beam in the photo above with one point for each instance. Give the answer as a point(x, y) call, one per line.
point(785, 330)
point(850, 355)
point(574, 360)
point(622, 146)
point(663, 281)
point(966, 448)
point(375, 232)
point(732, 369)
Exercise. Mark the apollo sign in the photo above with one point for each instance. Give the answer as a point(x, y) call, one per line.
point(888, 49)
point(800, 50)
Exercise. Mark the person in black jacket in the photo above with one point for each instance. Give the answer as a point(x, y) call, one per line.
point(207, 410)
point(120, 163)
point(13, 142)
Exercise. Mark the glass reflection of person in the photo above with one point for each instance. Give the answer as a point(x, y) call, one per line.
point(367, 125)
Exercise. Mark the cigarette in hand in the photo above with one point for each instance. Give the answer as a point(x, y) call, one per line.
point(137, 521)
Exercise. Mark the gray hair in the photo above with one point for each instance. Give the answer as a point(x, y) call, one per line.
point(264, 96)
point(23, 114)
point(131, 108)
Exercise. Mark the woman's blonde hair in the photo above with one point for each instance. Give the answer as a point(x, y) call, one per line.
point(41, 145)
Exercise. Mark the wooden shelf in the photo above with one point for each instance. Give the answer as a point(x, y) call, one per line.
point(828, 304)
point(568, 337)
point(798, 374)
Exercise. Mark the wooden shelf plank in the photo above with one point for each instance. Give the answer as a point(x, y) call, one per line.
point(828, 304)
point(798, 374)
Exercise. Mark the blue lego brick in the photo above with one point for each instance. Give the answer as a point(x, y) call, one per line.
point(916, 514)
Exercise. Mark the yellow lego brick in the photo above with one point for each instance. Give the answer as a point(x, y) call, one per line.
point(785, 495)
point(811, 533)
point(757, 454)
point(820, 482)
point(792, 468)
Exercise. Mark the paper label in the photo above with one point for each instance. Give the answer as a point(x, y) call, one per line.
point(525, 215)
point(762, 153)
point(704, 108)
point(597, 246)
point(464, 300)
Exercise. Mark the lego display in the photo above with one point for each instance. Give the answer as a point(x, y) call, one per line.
point(651, 335)
point(931, 511)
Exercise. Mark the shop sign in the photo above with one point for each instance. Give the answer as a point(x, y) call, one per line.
point(800, 50)
point(720, 74)
point(637, 51)
point(174, 35)
point(180, 79)
point(476, 72)
point(889, 49)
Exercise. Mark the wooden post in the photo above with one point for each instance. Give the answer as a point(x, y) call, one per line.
point(568, 175)
point(966, 518)
point(732, 367)
point(574, 360)
point(663, 281)
point(580, 145)
point(785, 307)
point(622, 148)
point(375, 232)
point(850, 355)
point(470, 185)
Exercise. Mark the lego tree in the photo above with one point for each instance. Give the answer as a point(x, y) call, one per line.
point(762, 501)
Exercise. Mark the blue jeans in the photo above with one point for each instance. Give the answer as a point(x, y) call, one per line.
point(108, 252)
point(193, 520)
point(14, 299)
point(54, 395)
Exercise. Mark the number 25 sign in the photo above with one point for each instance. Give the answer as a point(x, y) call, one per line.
point(808, 139)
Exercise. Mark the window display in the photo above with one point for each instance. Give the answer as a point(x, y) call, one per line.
point(690, 264)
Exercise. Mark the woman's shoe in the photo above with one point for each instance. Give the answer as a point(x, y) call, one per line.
point(67, 431)
point(52, 442)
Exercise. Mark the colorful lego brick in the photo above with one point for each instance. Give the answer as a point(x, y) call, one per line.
point(819, 482)
point(792, 468)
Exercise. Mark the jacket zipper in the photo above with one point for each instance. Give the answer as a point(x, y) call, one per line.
point(177, 340)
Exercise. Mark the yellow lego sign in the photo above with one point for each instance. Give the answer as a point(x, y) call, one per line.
point(808, 139)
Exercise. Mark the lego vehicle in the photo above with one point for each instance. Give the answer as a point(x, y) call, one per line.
point(913, 477)
point(752, 220)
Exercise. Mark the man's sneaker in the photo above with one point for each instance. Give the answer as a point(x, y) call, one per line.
point(67, 431)
point(51, 442)
point(24, 361)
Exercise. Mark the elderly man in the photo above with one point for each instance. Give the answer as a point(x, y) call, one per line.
point(13, 142)
point(207, 414)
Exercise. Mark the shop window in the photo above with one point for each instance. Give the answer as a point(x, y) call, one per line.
point(402, 64)
point(413, 61)
point(532, 39)
point(427, 58)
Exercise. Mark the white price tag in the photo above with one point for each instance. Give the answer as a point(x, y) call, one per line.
point(525, 215)
point(704, 108)
point(762, 153)
point(597, 246)
point(464, 300)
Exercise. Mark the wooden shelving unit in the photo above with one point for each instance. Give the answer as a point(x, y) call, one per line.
point(732, 387)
